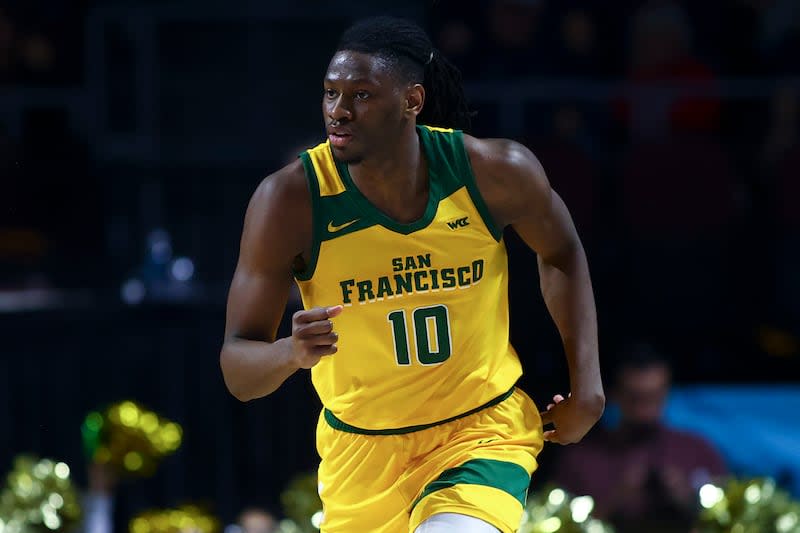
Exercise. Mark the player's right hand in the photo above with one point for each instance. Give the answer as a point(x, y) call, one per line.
point(313, 336)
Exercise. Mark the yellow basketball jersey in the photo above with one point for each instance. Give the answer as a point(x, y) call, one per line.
point(424, 332)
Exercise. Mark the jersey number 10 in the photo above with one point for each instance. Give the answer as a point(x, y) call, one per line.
point(431, 328)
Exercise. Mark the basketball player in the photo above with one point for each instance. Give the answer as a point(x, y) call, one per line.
point(393, 230)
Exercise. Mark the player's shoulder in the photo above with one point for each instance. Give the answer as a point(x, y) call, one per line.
point(282, 202)
point(504, 164)
point(509, 177)
point(285, 190)
point(498, 152)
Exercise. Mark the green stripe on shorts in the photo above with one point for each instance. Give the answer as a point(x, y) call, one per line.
point(511, 478)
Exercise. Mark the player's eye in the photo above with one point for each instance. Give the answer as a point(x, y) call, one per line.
point(330, 93)
point(362, 95)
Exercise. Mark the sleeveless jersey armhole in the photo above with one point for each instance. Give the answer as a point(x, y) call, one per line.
point(316, 232)
point(472, 187)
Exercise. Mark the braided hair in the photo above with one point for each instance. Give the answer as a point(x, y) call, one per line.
point(410, 51)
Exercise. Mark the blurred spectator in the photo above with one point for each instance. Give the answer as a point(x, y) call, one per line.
point(679, 203)
point(37, 54)
point(41, 42)
point(59, 196)
point(456, 28)
point(781, 161)
point(6, 45)
point(643, 475)
point(578, 48)
point(256, 520)
point(735, 40)
point(23, 246)
point(514, 37)
point(779, 36)
point(567, 153)
point(661, 52)
point(782, 129)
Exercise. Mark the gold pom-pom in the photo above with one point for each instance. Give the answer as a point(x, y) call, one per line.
point(302, 505)
point(130, 438)
point(185, 519)
point(555, 510)
point(39, 497)
point(747, 506)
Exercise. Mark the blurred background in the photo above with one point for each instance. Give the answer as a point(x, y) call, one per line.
point(132, 134)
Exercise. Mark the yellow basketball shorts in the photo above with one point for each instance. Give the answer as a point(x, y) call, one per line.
point(479, 465)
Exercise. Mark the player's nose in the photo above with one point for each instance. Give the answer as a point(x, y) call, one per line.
point(339, 111)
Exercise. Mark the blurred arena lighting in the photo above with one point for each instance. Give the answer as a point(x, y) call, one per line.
point(550, 525)
point(787, 522)
point(710, 495)
point(160, 246)
point(316, 519)
point(182, 269)
point(133, 291)
point(556, 497)
point(581, 507)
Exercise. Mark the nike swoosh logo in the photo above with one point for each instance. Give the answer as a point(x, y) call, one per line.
point(334, 229)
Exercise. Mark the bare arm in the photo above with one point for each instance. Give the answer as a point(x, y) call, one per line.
point(277, 233)
point(518, 193)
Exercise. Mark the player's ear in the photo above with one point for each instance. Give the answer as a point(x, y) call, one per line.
point(415, 99)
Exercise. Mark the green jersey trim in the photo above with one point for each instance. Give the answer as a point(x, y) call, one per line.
point(335, 423)
point(316, 213)
point(474, 192)
point(340, 215)
point(383, 219)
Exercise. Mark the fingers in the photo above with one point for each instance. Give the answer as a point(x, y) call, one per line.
point(552, 436)
point(314, 321)
point(320, 327)
point(557, 399)
point(328, 349)
point(556, 437)
point(334, 311)
point(324, 340)
point(547, 418)
point(313, 335)
point(317, 314)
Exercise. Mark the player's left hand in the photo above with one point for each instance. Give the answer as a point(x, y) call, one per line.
point(571, 421)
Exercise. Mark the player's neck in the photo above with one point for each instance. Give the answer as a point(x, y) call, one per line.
point(398, 166)
point(396, 181)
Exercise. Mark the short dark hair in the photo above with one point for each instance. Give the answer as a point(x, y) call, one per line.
point(409, 49)
point(638, 355)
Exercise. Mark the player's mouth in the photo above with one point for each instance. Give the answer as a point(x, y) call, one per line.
point(339, 140)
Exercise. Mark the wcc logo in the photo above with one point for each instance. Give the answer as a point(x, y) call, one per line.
point(458, 223)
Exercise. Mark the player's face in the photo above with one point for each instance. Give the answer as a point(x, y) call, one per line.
point(363, 105)
point(642, 394)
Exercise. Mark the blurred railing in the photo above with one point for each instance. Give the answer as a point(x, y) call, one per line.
point(511, 97)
